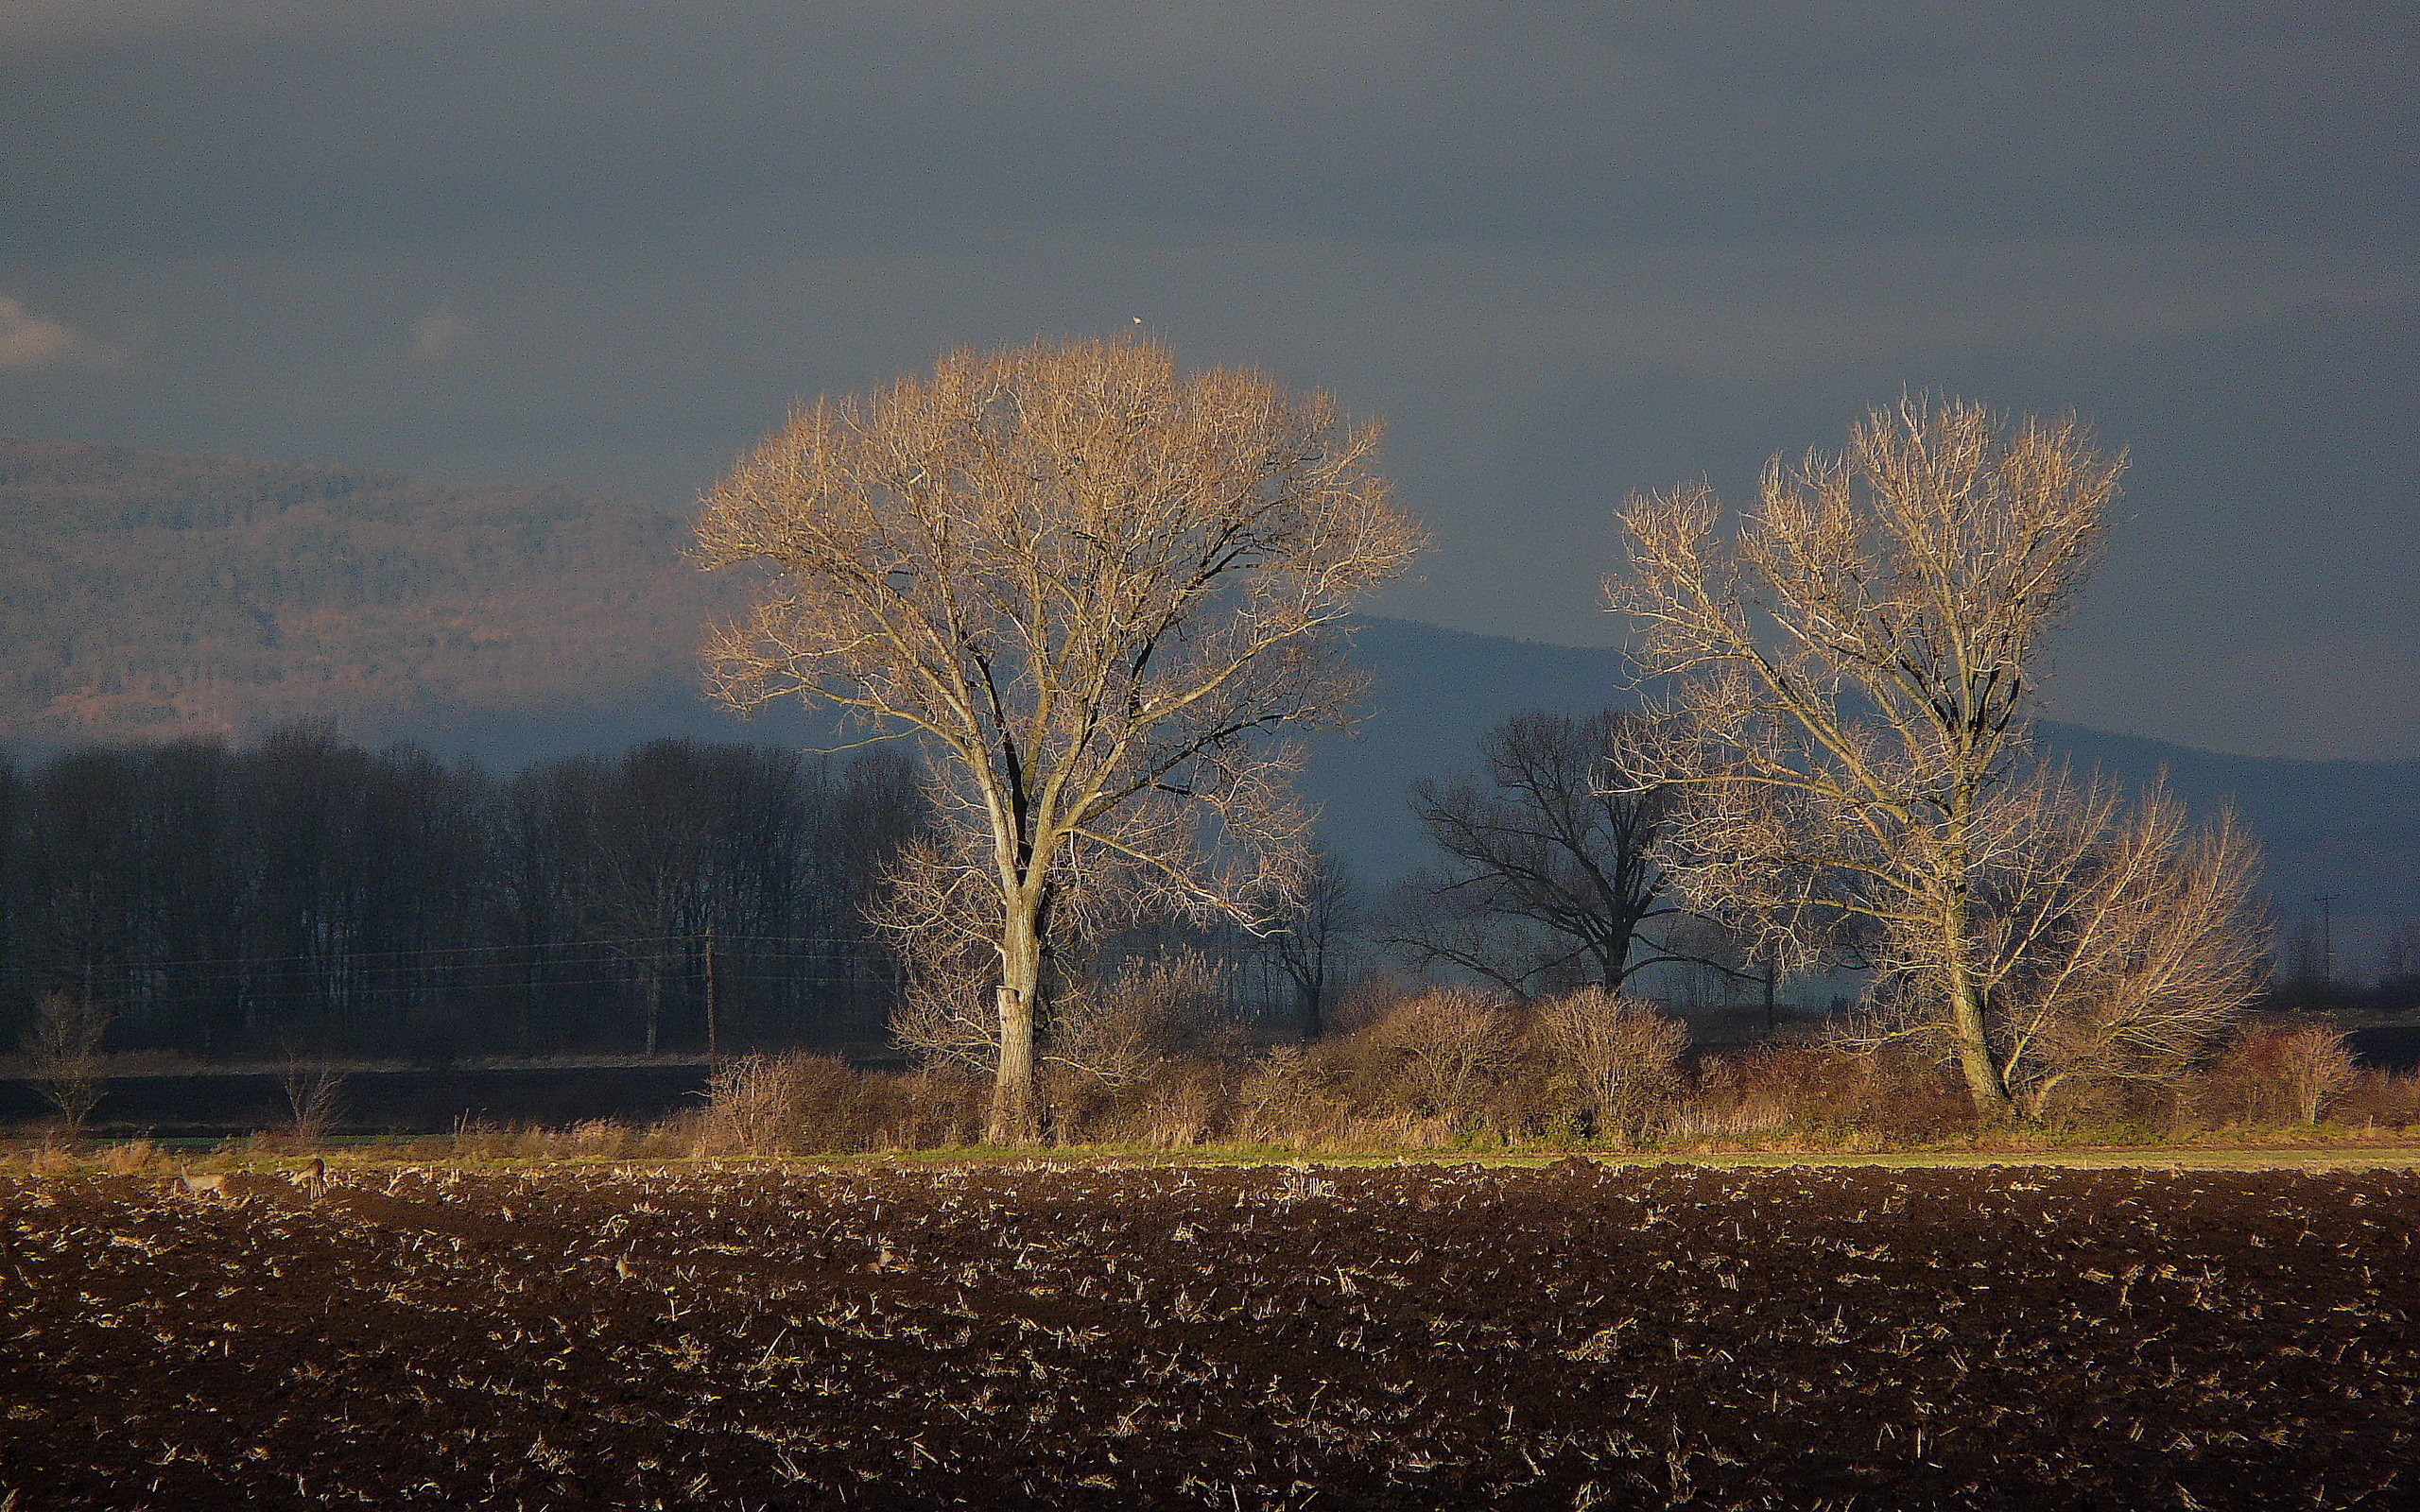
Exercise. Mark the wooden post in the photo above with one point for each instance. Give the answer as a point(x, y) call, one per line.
point(714, 1059)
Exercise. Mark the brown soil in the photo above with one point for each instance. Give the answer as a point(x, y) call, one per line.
point(1040, 1337)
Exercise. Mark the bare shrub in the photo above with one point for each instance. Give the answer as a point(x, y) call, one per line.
point(1152, 1011)
point(1183, 1104)
point(2278, 1073)
point(1832, 1090)
point(598, 1138)
point(2380, 1099)
point(937, 1107)
point(1289, 1097)
point(1726, 1103)
point(314, 1099)
point(63, 1053)
point(790, 1104)
point(133, 1157)
point(1444, 1051)
point(1621, 1058)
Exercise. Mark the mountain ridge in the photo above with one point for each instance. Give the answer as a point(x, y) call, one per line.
point(151, 595)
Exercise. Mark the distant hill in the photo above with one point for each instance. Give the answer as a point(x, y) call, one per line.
point(145, 595)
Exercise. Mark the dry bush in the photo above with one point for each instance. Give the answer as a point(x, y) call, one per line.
point(1618, 1056)
point(791, 1104)
point(48, 1159)
point(2279, 1074)
point(938, 1107)
point(1442, 1055)
point(591, 1138)
point(1827, 1089)
point(1402, 1130)
point(2380, 1099)
point(798, 1104)
point(597, 1139)
point(1291, 1097)
point(1153, 1011)
point(133, 1157)
point(1180, 1106)
point(1731, 1098)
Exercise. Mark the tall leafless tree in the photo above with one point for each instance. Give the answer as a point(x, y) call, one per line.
point(1847, 685)
point(1548, 878)
point(1099, 591)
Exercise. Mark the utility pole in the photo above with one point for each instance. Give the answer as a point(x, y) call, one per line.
point(714, 1059)
point(2328, 935)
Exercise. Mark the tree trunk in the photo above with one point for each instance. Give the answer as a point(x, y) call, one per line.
point(1014, 1120)
point(1993, 1104)
point(1984, 1083)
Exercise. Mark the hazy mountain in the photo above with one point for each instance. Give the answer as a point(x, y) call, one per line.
point(145, 595)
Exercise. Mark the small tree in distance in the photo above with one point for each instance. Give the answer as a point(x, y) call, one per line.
point(1310, 939)
point(1097, 592)
point(63, 1053)
point(1548, 878)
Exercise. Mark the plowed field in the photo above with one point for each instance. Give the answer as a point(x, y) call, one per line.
point(1042, 1336)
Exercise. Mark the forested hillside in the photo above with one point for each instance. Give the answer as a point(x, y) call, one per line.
point(147, 595)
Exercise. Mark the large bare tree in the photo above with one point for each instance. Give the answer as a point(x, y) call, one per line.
point(1099, 591)
point(1847, 683)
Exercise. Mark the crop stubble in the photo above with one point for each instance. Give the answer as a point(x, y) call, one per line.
point(1090, 1336)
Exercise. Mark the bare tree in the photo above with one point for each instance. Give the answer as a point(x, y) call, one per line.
point(1848, 684)
point(1309, 941)
point(63, 1053)
point(1097, 592)
point(315, 1095)
point(2399, 955)
point(2118, 942)
point(1548, 878)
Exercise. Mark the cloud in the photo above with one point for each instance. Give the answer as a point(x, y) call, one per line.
point(29, 341)
point(440, 334)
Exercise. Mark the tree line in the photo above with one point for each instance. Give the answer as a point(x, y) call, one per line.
point(308, 896)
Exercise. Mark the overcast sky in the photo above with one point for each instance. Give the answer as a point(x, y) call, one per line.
point(1566, 251)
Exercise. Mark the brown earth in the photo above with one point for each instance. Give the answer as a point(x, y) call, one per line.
point(1076, 1336)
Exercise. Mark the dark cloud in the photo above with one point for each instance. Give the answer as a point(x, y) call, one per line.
point(1568, 251)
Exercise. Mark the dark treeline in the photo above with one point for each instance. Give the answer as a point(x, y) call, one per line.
point(308, 896)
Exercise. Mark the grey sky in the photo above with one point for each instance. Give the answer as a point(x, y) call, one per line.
point(1566, 250)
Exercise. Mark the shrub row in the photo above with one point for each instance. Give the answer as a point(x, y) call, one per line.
point(1455, 1069)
